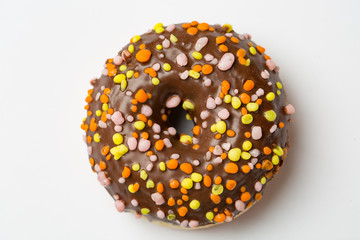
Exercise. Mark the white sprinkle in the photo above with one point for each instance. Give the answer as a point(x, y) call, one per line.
point(210, 103)
point(184, 75)
point(204, 124)
point(167, 143)
point(226, 146)
point(196, 162)
point(146, 110)
point(156, 66)
point(172, 131)
point(149, 167)
point(156, 136)
point(204, 114)
point(129, 118)
point(200, 43)
point(121, 180)
point(175, 156)
point(208, 57)
point(256, 132)
point(254, 97)
point(153, 158)
point(207, 82)
point(173, 101)
point(218, 160)
point(217, 150)
point(260, 92)
point(97, 97)
point(218, 100)
point(207, 155)
point(166, 43)
point(273, 128)
point(197, 186)
point(265, 74)
point(224, 114)
point(255, 152)
point(156, 128)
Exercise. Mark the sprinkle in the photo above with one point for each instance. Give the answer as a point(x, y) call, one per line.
point(252, 50)
point(118, 151)
point(252, 107)
point(167, 67)
point(143, 55)
point(231, 168)
point(256, 132)
point(119, 78)
point(247, 119)
point(197, 55)
point(196, 177)
point(173, 101)
point(245, 155)
point(226, 61)
point(239, 205)
point(210, 103)
point(194, 204)
point(187, 105)
point(119, 205)
point(135, 167)
point(228, 27)
point(207, 69)
point(155, 81)
point(234, 154)
point(289, 109)
point(187, 183)
point(170, 28)
point(173, 38)
point(208, 57)
point(141, 96)
point(217, 189)
point(181, 59)
point(194, 74)
point(193, 223)
point(139, 125)
point(144, 145)
point(118, 138)
point(200, 43)
point(278, 151)
point(221, 127)
point(162, 166)
point(186, 139)
point(270, 96)
point(248, 85)
point(247, 145)
point(235, 102)
point(150, 184)
point(270, 115)
point(184, 75)
point(270, 64)
point(275, 160)
point(186, 168)
point(224, 114)
point(145, 211)
point(158, 198)
point(209, 216)
point(133, 188)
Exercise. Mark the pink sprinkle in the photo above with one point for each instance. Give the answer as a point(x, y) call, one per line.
point(184, 223)
point(118, 60)
point(228, 219)
point(210, 103)
point(130, 118)
point(172, 131)
point(258, 186)
point(289, 109)
point(208, 57)
point(89, 150)
point(146, 110)
point(149, 167)
point(254, 161)
point(134, 202)
point(255, 152)
point(193, 223)
point(153, 158)
point(167, 143)
point(104, 181)
point(173, 101)
point(116, 197)
point(166, 43)
point(119, 205)
point(175, 156)
point(102, 124)
point(254, 97)
point(270, 64)
point(144, 145)
point(207, 82)
point(156, 136)
point(265, 74)
point(196, 162)
point(260, 92)
point(121, 180)
point(118, 128)
point(156, 66)
point(229, 35)
point(160, 214)
point(239, 205)
point(224, 114)
point(200, 43)
point(217, 150)
point(226, 61)
point(184, 75)
point(204, 114)
point(157, 198)
point(273, 128)
point(218, 100)
point(256, 132)
point(156, 128)
point(108, 116)
point(97, 168)
point(241, 37)
point(181, 59)
point(204, 124)
point(207, 155)
point(117, 118)
point(214, 61)
point(132, 143)
point(247, 36)
point(218, 160)
point(170, 28)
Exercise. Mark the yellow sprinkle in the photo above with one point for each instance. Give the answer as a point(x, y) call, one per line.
point(234, 154)
point(129, 74)
point(119, 151)
point(105, 107)
point(196, 177)
point(247, 119)
point(213, 128)
point(123, 67)
point(278, 92)
point(194, 204)
point(143, 175)
point(145, 211)
point(139, 125)
point(171, 217)
point(245, 155)
point(197, 55)
point(84, 119)
point(263, 180)
point(278, 151)
point(135, 167)
point(159, 47)
point(98, 113)
point(123, 85)
point(159, 30)
point(186, 139)
point(118, 138)
point(97, 137)
point(275, 160)
point(252, 107)
point(235, 102)
point(131, 48)
point(194, 74)
point(221, 127)
point(158, 25)
point(252, 50)
point(270, 115)
point(155, 81)
point(187, 105)
point(131, 188)
point(173, 38)
point(162, 166)
point(118, 78)
point(227, 98)
point(247, 145)
point(187, 183)
point(247, 63)
point(210, 216)
point(270, 96)
point(188, 117)
point(135, 38)
point(167, 67)
point(279, 85)
point(229, 27)
point(217, 189)
point(150, 184)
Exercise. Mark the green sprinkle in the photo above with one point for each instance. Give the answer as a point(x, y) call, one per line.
point(217, 189)
point(278, 92)
point(150, 184)
point(213, 128)
point(173, 38)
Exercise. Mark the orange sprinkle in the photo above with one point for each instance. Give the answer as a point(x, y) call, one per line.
point(267, 150)
point(218, 136)
point(245, 168)
point(242, 61)
point(103, 117)
point(194, 23)
point(192, 30)
point(258, 196)
point(258, 166)
point(102, 165)
point(221, 95)
point(186, 168)
point(243, 189)
point(203, 26)
point(88, 99)
point(245, 196)
point(152, 72)
point(134, 101)
point(240, 53)
point(164, 117)
point(250, 44)
point(244, 111)
point(247, 134)
point(134, 108)
point(126, 172)
point(183, 190)
point(182, 211)
point(225, 86)
point(149, 95)
point(135, 135)
point(159, 145)
point(227, 212)
point(185, 198)
point(230, 133)
point(174, 184)
point(267, 57)
point(171, 202)
point(207, 181)
point(245, 98)
point(229, 200)
point(220, 39)
point(93, 126)
point(84, 127)
point(207, 69)
point(149, 153)
point(281, 124)
point(92, 161)
point(223, 48)
point(141, 96)
point(218, 180)
point(142, 117)
point(219, 218)
point(136, 74)
point(211, 149)
point(145, 135)
point(110, 111)
point(196, 147)
point(259, 101)
point(179, 202)
point(196, 130)
point(150, 122)
point(186, 25)
point(249, 85)
point(260, 49)
point(107, 90)
point(160, 188)
point(231, 168)
point(142, 46)
point(112, 72)
point(89, 113)
point(223, 156)
point(143, 55)
point(249, 204)
point(215, 198)
point(108, 157)
point(90, 91)
point(267, 164)
point(211, 29)
point(172, 164)
point(216, 209)
point(87, 107)
point(197, 68)
point(231, 184)
point(136, 187)
point(105, 150)
point(110, 66)
point(234, 39)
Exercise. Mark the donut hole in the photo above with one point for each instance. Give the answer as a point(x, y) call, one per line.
point(177, 119)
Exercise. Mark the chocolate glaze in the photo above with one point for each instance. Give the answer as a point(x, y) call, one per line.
point(193, 90)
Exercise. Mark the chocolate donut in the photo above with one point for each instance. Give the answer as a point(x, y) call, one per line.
point(231, 91)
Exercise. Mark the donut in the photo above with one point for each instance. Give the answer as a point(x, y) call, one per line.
point(230, 90)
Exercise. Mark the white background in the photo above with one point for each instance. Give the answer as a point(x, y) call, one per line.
point(49, 50)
